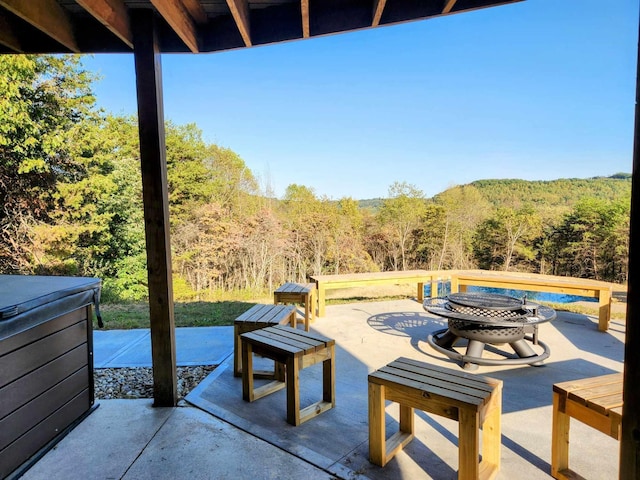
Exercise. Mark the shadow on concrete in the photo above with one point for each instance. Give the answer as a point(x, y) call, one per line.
point(582, 331)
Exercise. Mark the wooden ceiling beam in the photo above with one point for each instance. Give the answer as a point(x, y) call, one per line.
point(240, 12)
point(194, 7)
point(178, 18)
point(112, 14)
point(448, 5)
point(304, 8)
point(378, 8)
point(7, 36)
point(47, 16)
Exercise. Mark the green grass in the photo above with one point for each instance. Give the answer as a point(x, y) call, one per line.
point(191, 314)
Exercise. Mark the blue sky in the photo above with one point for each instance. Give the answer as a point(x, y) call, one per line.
point(538, 90)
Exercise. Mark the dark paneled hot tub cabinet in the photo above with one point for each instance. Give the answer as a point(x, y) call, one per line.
point(46, 361)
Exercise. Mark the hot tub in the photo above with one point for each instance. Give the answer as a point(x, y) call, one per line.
point(46, 362)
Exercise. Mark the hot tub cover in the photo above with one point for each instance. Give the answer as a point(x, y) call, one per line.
point(29, 298)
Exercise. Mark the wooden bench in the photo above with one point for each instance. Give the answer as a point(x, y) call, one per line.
point(257, 317)
point(461, 279)
point(595, 401)
point(418, 277)
point(302, 293)
point(295, 350)
point(475, 402)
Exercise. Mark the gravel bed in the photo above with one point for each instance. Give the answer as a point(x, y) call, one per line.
point(111, 383)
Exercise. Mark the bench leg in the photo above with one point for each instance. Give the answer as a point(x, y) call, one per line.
point(604, 310)
point(491, 437)
point(377, 444)
point(381, 450)
point(293, 391)
point(329, 379)
point(237, 355)
point(247, 372)
point(468, 444)
point(321, 300)
point(559, 439)
point(293, 319)
point(434, 288)
point(312, 305)
point(306, 299)
point(455, 284)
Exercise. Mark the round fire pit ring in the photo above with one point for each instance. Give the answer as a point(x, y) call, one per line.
point(489, 319)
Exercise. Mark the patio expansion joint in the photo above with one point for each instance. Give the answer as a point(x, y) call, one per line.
point(146, 445)
point(311, 457)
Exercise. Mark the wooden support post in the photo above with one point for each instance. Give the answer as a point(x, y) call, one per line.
point(630, 441)
point(156, 206)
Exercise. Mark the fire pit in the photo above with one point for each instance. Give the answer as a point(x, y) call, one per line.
point(487, 318)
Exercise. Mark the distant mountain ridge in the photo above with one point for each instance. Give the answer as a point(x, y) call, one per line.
point(552, 195)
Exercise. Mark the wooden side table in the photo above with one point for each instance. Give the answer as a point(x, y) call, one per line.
point(302, 293)
point(295, 349)
point(257, 317)
point(595, 401)
point(475, 402)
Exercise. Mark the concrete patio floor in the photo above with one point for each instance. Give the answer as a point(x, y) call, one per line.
point(216, 435)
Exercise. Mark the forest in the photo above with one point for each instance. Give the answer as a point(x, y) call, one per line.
point(71, 197)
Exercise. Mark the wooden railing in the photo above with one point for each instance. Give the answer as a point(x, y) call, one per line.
point(461, 279)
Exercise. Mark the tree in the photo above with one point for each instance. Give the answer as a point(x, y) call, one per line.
point(507, 237)
point(592, 240)
point(464, 208)
point(45, 102)
point(231, 179)
point(400, 214)
point(431, 237)
point(347, 252)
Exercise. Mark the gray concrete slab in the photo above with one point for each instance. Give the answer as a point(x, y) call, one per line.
point(370, 335)
point(195, 445)
point(129, 439)
point(109, 345)
point(132, 348)
point(105, 444)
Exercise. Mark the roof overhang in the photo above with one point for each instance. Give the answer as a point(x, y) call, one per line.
point(105, 26)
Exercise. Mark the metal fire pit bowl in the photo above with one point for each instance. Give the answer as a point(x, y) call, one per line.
point(489, 319)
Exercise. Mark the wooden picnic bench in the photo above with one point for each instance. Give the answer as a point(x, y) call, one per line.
point(475, 402)
point(293, 350)
point(595, 401)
